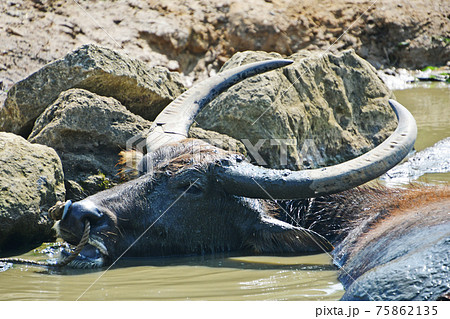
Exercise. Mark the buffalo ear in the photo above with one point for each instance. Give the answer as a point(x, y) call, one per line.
point(283, 238)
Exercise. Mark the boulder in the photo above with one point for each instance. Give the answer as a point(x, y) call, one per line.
point(319, 111)
point(88, 132)
point(143, 90)
point(31, 181)
point(219, 140)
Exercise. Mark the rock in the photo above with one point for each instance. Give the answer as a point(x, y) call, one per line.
point(87, 131)
point(143, 90)
point(399, 79)
point(219, 140)
point(31, 181)
point(322, 110)
point(74, 191)
point(87, 185)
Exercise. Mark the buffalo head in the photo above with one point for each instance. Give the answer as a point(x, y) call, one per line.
point(194, 198)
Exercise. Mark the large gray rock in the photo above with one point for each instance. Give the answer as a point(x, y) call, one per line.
point(219, 140)
point(143, 90)
point(87, 131)
point(31, 181)
point(324, 109)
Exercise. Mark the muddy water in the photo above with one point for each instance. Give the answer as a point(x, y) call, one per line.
point(430, 106)
point(188, 278)
point(431, 109)
point(220, 277)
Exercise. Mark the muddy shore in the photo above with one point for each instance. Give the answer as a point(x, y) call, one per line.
point(197, 37)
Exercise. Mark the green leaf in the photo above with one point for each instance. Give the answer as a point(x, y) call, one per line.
point(428, 68)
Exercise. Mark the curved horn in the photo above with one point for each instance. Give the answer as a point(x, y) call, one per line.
point(173, 123)
point(245, 179)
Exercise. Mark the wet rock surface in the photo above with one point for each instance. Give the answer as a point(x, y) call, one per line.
point(31, 181)
point(400, 78)
point(434, 159)
point(322, 110)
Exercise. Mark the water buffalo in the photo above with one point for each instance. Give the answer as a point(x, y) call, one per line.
point(194, 198)
point(390, 244)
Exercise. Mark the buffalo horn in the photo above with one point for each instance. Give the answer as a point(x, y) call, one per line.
point(173, 123)
point(245, 179)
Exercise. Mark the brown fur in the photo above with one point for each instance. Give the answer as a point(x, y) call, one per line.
point(362, 209)
point(399, 210)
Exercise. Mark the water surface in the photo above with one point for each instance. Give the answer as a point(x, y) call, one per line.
point(430, 106)
point(431, 109)
point(186, 278)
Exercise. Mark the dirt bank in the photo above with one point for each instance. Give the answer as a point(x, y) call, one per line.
point(196, 37)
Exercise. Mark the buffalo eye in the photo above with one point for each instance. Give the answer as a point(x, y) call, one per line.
point(192, 189)
point(189, 182)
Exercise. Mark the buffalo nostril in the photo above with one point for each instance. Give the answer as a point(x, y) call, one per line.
point(72, 224)
point(82, 210)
